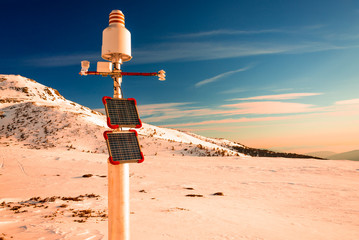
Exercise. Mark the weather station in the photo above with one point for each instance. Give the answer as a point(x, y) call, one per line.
point(123, 146)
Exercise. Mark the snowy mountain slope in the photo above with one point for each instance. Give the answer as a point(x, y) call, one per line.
point(321, 154)
point(350, 155)
point(189, 143)
point(37, 116)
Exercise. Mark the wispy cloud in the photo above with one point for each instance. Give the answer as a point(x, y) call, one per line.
point(282, 90)
point(204, 50)
point(308, 112)
point(278, 96)
point(170, 52)
point(188, 115)
point(185, 111)
point(149, 109)
point(222, 32)
point(313, 27)
point(203, 46)
point(270, 108)
point(169, 111)
point(227, 121)
point(234, 90)
point(193, 51)
point(233, 32)
point(62, 60)
point(222, 75)
point(348, 102)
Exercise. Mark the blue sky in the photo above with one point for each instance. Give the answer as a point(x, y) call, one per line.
point(274, 74)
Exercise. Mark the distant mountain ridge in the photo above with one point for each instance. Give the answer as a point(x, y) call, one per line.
point(321, 154)
point(351, 155)
point(36, 116)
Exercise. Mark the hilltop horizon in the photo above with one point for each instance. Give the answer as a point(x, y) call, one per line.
point(24, 100)
point(55, 94)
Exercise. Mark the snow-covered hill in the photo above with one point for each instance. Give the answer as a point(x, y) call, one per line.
point(56, 191)
point(37, 116)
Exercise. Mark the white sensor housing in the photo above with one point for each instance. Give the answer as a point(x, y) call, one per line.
point(116, 39)
point(104, 67)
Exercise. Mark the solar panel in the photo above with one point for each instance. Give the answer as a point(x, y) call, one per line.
point(121, 112)
point(123, 147)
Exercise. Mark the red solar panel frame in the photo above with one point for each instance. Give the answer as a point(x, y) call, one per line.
point(140, 160)
point(115, 126)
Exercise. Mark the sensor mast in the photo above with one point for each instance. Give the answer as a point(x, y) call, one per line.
point(116, 49)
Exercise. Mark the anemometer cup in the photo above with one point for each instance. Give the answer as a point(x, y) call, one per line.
point(161, 75)
point(85, 65)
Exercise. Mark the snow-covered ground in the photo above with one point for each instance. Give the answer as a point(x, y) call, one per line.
point(53, 180)
point(232, 197)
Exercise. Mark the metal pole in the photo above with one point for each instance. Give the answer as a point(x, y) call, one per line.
point(117, 80)
point(118, 187)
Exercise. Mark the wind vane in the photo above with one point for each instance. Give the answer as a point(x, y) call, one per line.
point(123, 146)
